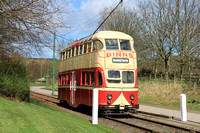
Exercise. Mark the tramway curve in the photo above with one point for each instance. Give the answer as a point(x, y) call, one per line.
point(154, 124)
point(141, 122)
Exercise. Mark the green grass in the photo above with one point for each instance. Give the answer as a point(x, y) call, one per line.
point(49, 87)
point(36, 117)
point(161, 93)
point(37, 84)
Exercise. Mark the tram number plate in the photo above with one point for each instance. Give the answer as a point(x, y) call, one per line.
point(120, 60)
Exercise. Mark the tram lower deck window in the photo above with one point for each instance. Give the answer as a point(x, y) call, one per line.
point(100, 82)
point(127, 77)
point(114, 76)
point(88, 78)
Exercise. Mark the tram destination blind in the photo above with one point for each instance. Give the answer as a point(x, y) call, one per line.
point(120, 60)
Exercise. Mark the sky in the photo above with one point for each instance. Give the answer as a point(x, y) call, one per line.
point(84, 16)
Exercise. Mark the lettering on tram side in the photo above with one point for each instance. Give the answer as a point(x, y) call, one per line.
point(120, 60)
point(119, 54)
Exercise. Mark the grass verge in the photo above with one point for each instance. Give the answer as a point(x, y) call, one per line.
point(35, 117)
point(161, 93)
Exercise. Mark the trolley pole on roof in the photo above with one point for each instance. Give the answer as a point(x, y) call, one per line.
point(107, 16)
point(54, 41)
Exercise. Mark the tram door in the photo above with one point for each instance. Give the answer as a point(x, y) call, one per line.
point(73, 88)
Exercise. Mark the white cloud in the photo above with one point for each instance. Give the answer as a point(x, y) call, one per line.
point(84, 17)
point(90, 9)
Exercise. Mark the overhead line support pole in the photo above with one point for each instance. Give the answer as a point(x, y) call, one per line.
point(54, 41)
point(41, 73)
point(47, 82)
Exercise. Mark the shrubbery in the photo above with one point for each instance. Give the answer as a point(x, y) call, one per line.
point(13, 79)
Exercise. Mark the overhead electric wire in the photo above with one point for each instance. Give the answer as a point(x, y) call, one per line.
point(86, 22)
point(90, 20)
point(107, 16)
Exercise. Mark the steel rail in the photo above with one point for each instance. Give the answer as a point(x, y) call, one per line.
point(47, 97)
point(55, 100)
point(165, 124)
point(130, 124)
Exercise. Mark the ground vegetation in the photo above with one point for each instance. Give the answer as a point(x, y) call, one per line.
point(38, 117)
point(13, 79)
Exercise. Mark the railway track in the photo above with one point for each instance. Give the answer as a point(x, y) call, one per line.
point(49, 98)
point(143, 121)
point(153, 125)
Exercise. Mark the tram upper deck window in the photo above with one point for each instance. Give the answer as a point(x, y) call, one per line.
point(66, 54)
point(81, 49)
point(125, 45)
point(97, 45)
point(89, 47)
point(85, 48)
point(63, 55)
point(73, 49)
point(111, 44)
point(77, 50)
point(127, 77)
point(113, 76)
point(70, 53)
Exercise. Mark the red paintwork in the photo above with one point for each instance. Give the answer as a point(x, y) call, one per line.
point(127, 96)
point(84, 96)
point(79, 72)
point(76, 43)
point(136, 79)
point(103, 97)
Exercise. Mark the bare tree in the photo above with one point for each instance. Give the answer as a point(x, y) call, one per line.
point(29, 24)
point(188, 33)
point(158, 28)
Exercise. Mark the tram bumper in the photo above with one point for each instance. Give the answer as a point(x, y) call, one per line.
point(118, 108)
point(131, 108)
point(112, 108)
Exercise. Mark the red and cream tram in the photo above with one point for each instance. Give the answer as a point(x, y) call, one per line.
point(105, 60)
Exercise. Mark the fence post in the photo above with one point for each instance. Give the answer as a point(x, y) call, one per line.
point(183, 107)
point(95, 106)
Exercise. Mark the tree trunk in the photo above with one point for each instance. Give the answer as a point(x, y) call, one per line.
point(167, 69)
point(181, 71)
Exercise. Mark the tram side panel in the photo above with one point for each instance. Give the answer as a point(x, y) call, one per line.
point(82, 93)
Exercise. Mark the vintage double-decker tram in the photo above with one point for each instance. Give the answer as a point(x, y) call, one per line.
point(105, 60)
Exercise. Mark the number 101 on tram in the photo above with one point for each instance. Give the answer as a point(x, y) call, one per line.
point(105, 60)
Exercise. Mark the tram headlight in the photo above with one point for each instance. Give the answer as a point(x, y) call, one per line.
point(109, 96)
point(132, 96)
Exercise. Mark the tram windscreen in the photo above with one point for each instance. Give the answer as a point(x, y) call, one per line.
point(111, 44)
point(125, 45)
point(113, 74)
point(127, 77)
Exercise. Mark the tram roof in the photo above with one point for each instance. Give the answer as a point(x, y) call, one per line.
point(101, 35)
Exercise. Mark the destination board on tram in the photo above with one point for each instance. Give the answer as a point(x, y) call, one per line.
point(120, 60)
